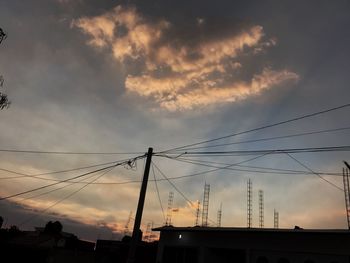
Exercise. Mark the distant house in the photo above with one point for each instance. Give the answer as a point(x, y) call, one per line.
point(40, 246)
point(112, 251)
point(252, 245)
point(64, 240)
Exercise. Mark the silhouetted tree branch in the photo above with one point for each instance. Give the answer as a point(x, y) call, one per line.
point(3, 35)
point(4, 102)
point(54, 228)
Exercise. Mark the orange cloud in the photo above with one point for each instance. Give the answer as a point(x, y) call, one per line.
point(176, 94)
point(181, 76)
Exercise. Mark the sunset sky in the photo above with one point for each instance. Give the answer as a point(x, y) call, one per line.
point(103, 77)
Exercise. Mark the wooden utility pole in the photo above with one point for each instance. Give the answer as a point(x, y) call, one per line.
point(347, 165)
point(136, 231)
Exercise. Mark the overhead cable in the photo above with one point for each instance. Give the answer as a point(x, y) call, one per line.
point(270, 138)
point(67, 180)
point(306, 167)
point(271, 151)
point(36, 176)
point(261, 127)
point(67, 153)
point(281, 171)
point(66, 197)
point(159, 199)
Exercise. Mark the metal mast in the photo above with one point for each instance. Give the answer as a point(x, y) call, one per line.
point(205, 205)
point(170, 209)
point(219, 216)
point(347, 194)
point(148, 232)
point(249, 203)
point(275, 218)
point(126, 227)
point(198, 213)
point(261, 208)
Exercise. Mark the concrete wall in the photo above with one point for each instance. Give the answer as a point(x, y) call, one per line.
point(229, 246)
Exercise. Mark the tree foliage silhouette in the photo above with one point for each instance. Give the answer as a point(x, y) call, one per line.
point(4, 102)
point(54, 228)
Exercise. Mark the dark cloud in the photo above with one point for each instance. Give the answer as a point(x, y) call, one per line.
point(68, 95)
point(15, 214)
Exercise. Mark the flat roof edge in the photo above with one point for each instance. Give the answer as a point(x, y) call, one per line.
point(243, 229)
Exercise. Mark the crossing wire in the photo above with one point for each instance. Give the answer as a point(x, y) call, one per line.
point(306, 167)
point(279, 171)
point(36, 176)
point(66, 197)
point(159, 199)
point(271, 138)
point(67, 180)
point(271, 151)
point(260, 128)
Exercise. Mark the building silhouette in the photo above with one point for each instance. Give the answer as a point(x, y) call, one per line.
point(252, 245)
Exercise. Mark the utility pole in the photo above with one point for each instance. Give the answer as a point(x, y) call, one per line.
point(347, 165)
point(136, 230)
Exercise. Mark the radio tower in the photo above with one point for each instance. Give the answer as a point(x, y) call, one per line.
point(261, 208)
point(205, 205)
point(198, 213)
point(148, 232)
point(275, 219)
point(249, 203)
point(126, 227)
point(170, 208)
point(347, 194)
point(219, 216)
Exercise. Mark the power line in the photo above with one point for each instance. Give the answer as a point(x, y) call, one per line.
point(261, 127)
point(176, 177)
point(67, 153)
point(271, 138)
point(306, 167)
point(172, 184)
point(59, 188)
point(66, 197)
point(287, 170)
point(49, 185)
point(170, 178)
point(281, 171)
point(217, 169)
point(271, 151)
point(67, 180)
point(292, 171)
point(36, 176)
point(138, 181)
point(181, 193)
point(159, 199)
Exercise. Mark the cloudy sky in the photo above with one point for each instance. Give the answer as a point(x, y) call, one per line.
point(121, 76)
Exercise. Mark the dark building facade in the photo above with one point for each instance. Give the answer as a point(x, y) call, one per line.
point(252, 245)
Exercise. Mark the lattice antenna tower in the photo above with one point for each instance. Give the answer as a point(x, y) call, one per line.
point(170, 209)
point(205, 205)
point(347, 194)
point(275, 219)
point(261, 208)
point(219, 216)
point(148, 232)
point(126, 227)
point(249, 203)
point(198, 210)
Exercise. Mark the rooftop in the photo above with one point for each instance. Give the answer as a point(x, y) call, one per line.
point(244, 229)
